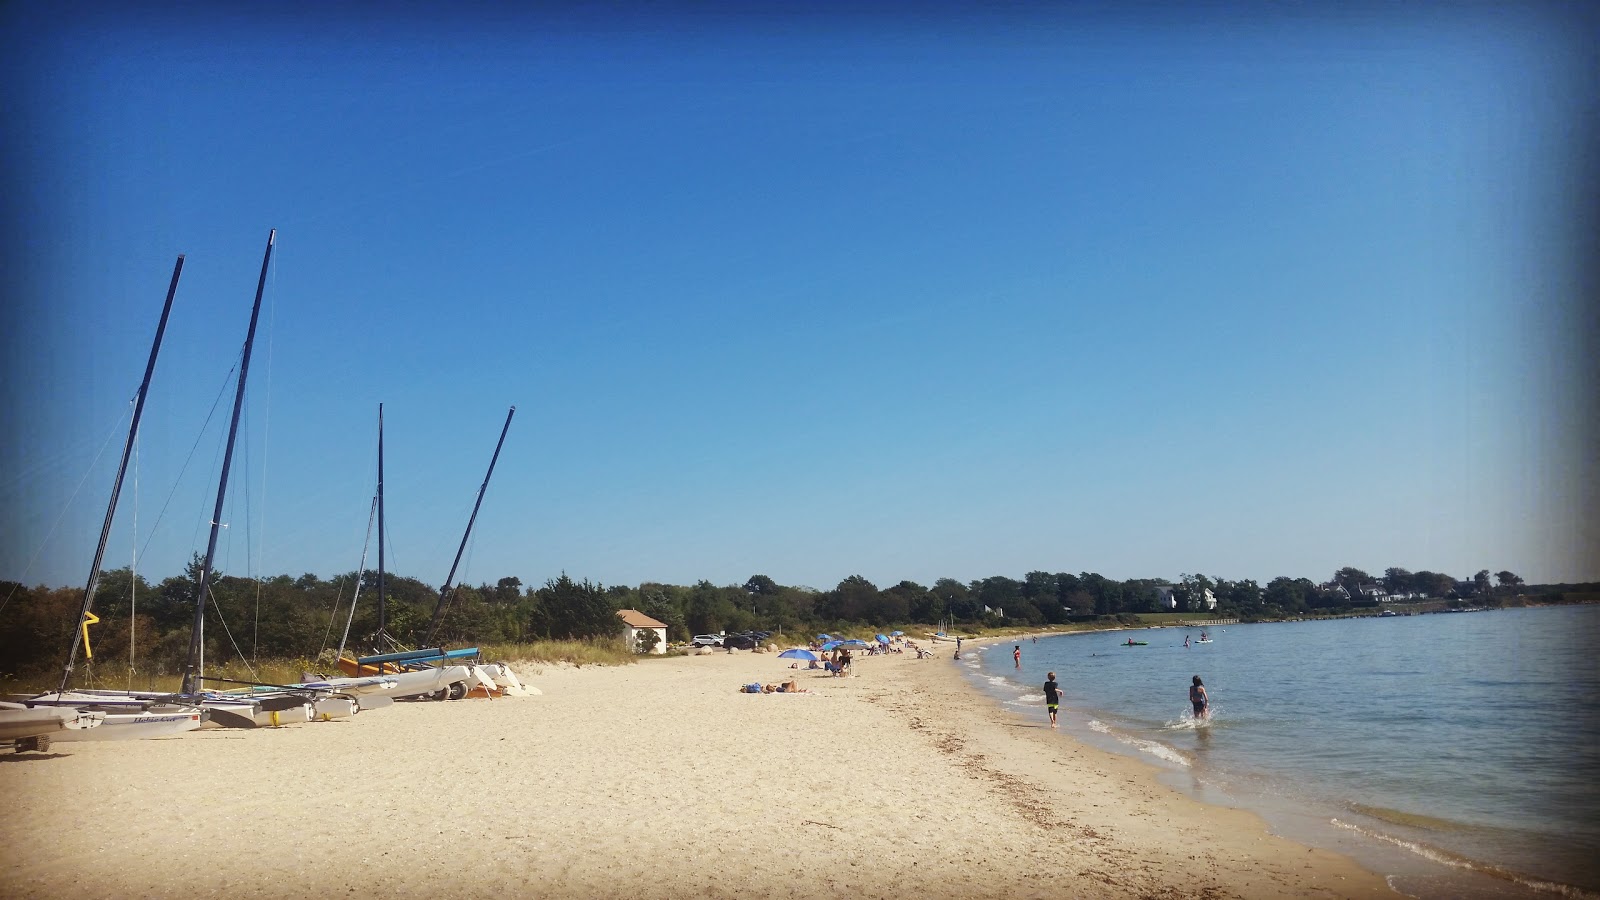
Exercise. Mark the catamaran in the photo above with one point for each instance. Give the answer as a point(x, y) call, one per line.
point(427, 673)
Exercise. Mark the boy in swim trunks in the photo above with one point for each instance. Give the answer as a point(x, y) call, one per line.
point(1052, 697)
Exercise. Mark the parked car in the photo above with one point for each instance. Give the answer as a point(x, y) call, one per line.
point(740, 642)
point(706, 640)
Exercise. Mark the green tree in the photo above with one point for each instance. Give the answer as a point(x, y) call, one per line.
point(1289, 596)
point(1398, 581)
point(1480, 583)
point(573, 610)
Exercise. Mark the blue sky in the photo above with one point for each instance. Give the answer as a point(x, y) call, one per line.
point(1251, 293)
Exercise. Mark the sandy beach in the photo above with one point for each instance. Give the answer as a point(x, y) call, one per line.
point(651, 780)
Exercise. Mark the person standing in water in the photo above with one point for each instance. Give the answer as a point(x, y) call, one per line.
point(1197, 696)
point(1052, 697)
point(1016, 654)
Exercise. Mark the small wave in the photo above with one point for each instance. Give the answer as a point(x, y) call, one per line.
point(1161, 751)
point(996, 680)
point(1154, 748)
point(1456, 861)
point(1414, 820)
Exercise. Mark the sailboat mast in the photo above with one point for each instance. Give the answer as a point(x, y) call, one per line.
point(191, 663)
point(444, 592)
point(382, 599)
point(116, 486)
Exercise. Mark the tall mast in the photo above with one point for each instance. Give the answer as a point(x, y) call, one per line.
point(116, 486)
point(444, 592)
point(382, 615)
point(191, 663)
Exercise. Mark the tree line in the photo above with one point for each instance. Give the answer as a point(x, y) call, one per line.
point(304, 617)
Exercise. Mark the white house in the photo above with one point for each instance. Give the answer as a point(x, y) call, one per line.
point(1168, 598)
point(634, 623)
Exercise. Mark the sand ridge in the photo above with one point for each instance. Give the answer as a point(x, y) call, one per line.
point(652, 780)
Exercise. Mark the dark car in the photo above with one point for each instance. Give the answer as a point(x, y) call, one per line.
point(740, 642)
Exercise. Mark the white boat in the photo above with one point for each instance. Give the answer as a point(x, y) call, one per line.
point(30, 728)
point(329, 708)
point(434, 682)
point(158, 721)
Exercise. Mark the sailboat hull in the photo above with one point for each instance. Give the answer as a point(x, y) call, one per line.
point(129, 726)
point(20, 722)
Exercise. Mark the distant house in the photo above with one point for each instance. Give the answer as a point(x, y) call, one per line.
point(1167, 598)
point(635, 622)
point(1373, 592)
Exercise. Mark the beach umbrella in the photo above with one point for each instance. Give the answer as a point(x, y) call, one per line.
point(824, 637)
point(897, 634)
point(798, 653)
point(882, 639)
point(854, 642)
point(831, 645)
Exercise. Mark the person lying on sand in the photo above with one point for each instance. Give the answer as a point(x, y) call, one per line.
point(788, 687)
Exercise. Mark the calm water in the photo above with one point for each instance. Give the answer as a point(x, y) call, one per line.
point(1456, 753)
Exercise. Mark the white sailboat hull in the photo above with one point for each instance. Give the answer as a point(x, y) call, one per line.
point(330, 708)
point(20, 722)
point(129, 726)
point(427, 681)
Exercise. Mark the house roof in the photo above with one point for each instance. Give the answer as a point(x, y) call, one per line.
point(635, 619)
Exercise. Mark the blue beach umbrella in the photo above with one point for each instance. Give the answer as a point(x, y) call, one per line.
point(855, 642)
point(798, 653)
point(882, 639)
point(824, 637)
point(897, 634)
point(831, 645)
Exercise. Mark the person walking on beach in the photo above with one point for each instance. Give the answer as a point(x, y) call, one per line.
point(1052, 697)
point(1197, 696)
point(1016, 654)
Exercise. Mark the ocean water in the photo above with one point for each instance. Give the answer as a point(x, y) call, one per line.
point(1458, 754)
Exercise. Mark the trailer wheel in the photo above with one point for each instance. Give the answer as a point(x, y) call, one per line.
point(35, 744)
point(458, 689)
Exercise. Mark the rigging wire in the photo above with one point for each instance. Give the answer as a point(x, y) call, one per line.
point(186, 460)
point(333, 615)
point(357, 598)
point(216, 608)
point(115, 429)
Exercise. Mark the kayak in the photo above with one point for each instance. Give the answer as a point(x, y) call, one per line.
point(1135, 643)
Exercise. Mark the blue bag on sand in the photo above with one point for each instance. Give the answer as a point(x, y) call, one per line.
point(752, 689)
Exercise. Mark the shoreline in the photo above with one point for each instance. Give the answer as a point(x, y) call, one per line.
point(656, 779)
